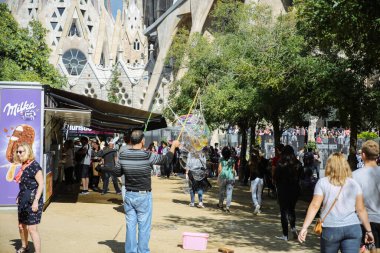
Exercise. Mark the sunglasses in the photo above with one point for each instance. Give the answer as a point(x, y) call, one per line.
point(19, 152)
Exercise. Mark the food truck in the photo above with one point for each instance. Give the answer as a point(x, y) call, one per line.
point(36, 114)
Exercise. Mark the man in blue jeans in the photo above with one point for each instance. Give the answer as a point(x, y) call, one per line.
point(136, 164)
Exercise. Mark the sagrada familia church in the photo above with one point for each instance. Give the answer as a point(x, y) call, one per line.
point(89, 44)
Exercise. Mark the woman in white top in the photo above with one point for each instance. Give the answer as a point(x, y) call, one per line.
point(341, 226)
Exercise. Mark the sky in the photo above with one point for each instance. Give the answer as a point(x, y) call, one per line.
point(115, 5)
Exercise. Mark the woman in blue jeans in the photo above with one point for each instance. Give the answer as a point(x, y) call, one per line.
point(196, 174)
point(341, 226)
point(226, 178)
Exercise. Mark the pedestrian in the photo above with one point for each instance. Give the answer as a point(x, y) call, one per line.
point(136, 165)
point(83, 157)
point(257, 168)
point(68, 161)
point(342, 200)
point(368, 177)
point(96, 156)
point(109, 158)
point(29, 200)
point(196, 174)
point(226, 178)
point(287, 176)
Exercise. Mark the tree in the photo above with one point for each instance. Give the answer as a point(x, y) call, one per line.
point(114, 84)
point(346, 33)
point(254, 68)
point(24, 53)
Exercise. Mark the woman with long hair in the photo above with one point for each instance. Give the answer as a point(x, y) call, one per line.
point(287, 178)
point(226, 178)
point(257, 170)
point(342, 200)
point(29, 199)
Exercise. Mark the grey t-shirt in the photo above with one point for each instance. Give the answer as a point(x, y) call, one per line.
point(369, 180)
point(343, 213)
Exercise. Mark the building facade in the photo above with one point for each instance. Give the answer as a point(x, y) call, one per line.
point(89, 45)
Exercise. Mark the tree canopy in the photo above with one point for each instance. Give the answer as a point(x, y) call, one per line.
point(24, 53)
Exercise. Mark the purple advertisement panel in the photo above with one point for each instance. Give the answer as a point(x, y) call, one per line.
point(20, 121)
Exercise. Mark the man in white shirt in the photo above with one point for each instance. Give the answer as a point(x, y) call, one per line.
point(85, 150)
point(368, 178)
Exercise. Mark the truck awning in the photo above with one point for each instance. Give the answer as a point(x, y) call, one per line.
point(104, 115)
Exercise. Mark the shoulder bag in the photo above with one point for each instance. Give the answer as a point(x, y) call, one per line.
point(318, 224)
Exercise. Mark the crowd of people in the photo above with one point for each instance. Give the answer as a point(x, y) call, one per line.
point(347, 199)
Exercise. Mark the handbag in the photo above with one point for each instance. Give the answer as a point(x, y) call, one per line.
point(318, 225)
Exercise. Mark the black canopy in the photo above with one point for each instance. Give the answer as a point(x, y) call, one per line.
point(106, 115)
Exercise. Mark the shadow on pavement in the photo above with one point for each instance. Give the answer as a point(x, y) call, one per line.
point(244, 229)
point(16, 243)
point(115, 246)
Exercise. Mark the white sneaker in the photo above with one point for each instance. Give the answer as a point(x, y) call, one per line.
point(200, 205)
point(257, 209)
point(283, 237)
point(191, 204)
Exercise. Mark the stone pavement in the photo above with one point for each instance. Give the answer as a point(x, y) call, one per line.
point(95, 223)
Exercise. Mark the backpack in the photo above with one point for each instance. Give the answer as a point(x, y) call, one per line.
point(227, 169)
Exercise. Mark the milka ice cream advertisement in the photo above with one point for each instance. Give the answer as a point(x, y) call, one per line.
point(20, 121)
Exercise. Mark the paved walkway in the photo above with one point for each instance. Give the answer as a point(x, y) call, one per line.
point(95, 223)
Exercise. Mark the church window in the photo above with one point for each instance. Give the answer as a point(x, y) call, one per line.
point(74, 29)
point(30, 11)
point(83, 12)
point(128, 61)
point(36, 10)
point(95, 96)
point(53, 44)
point(89, 19)
point(53, 24)
point(122, 102)
point(74, 61)
point(136, 45)
point(54, 15)
point(58, 38)
point(89, 85)
point(61, 10)
point(131, 26)
point(60, 29)
point(61, 1)
point(129, 102)
point(90, 27)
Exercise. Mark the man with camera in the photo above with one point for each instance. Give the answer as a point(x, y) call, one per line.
point(136, 164)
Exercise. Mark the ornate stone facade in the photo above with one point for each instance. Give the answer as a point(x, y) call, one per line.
point(87, 41)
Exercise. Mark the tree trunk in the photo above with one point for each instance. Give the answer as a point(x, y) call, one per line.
point(253, 134)
point(243, 152)
point(354, 124)
point(276, 130)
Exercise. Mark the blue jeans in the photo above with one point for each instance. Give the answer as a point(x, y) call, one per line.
point(192, 195)
point(138, 210)
point(225, 189)
point(347, 239)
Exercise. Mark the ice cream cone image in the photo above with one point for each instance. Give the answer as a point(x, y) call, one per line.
point(11, 172)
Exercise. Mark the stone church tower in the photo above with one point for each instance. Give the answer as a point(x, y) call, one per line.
point(87, 41)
